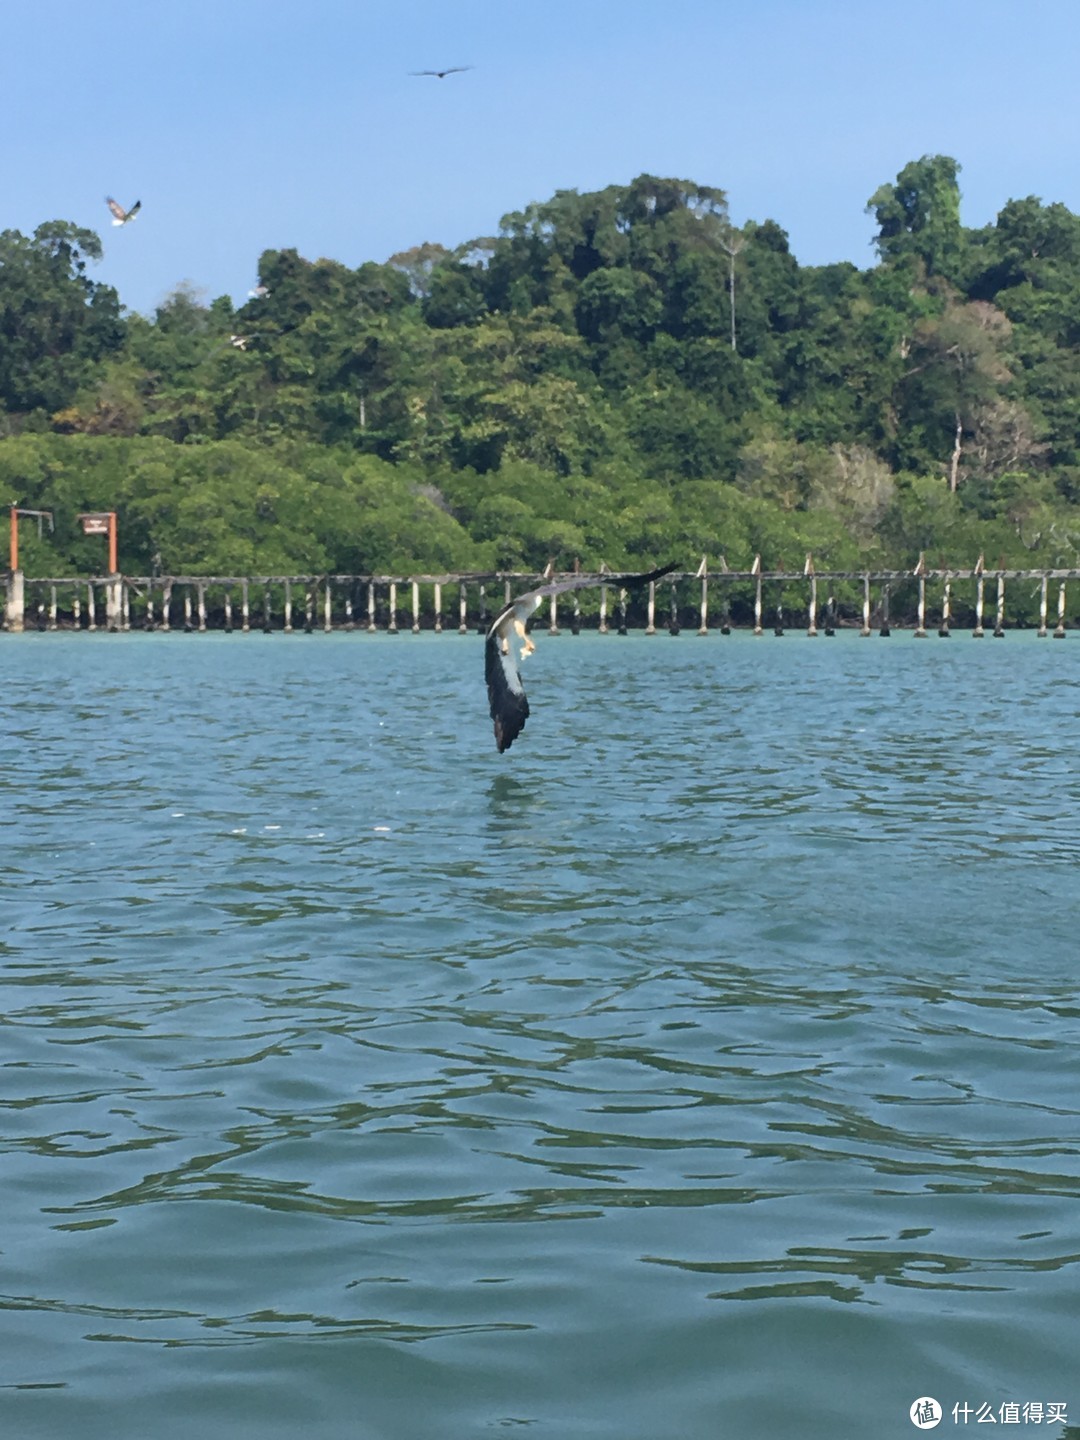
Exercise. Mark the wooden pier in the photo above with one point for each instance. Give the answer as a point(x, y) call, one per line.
point(703, 600)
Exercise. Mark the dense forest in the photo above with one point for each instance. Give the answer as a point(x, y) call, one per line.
point(615, 376)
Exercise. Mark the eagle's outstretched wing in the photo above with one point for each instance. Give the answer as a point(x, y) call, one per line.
point(119, 214)
point(442, 74)
point(506, 694)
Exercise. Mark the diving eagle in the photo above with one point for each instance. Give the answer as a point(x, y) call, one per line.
point(509, 704)
point(442, 74)
point(119, 214)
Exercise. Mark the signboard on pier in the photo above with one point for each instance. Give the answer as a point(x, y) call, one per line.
point(102, 522)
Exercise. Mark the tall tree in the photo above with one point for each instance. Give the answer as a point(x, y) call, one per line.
point(919, 216)
point(55, 322)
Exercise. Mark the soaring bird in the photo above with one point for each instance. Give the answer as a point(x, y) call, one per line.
point(119, 214)
point(509, 704)
point(442, 74)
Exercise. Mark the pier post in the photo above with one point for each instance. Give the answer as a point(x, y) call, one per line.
point(166, 601)
point(481, 624)
point(703, 626)
point(553, 616)
point(201, 592)
point(187, 610)
point(980, 584)
point(438, 607)
point(865, 606)
point(830, 615)
point(288, 608)
point(228, 610)
point(575, 620)
point(920, 628)
point(1042, 606)
point(650, 626)
point(76, 609)
point(52, 607)
point(328, 608)
point(622, 612)
point(415, 608)
point(391, 626)
point(371, 607)
point(943, 630)
point(349, 623)
point(811, 619)
point(463, 623)
point(245, 609)
point(309, 609)
point(1059, 633)
point(603, 629)
point(999, 626)
point(149, 625)
point(673, 623)
point(114, 616)
point(267, 624)
point(756, 570)
point(91, 618)
point(15, 610)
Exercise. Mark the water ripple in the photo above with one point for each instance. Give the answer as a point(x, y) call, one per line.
point(504, 1081)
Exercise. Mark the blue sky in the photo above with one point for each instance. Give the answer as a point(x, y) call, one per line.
point(245, 125)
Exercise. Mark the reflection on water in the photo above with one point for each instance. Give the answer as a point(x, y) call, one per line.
point(514, 803)
point(325, 1029)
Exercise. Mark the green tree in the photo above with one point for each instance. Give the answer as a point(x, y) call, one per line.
point(56, 323)
point(918, 217)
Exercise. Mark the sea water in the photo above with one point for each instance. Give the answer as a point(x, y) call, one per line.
point(707, 1065)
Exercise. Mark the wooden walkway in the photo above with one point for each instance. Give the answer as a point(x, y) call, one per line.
point(704, 599)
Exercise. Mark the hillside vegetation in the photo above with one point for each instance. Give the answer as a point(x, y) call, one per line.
point(616, 376)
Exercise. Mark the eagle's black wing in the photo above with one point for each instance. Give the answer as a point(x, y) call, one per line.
point(508, 702)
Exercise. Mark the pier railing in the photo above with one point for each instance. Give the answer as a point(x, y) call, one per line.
point(704, 599)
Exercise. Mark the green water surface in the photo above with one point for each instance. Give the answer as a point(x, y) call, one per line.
point(705, 1066)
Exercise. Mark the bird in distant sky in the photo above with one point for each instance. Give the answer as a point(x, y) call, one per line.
point(234, 342)
point(506, 693)
point(119, 214)
point(442, 74)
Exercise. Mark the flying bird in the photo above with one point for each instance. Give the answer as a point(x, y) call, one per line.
point(442, 74)
point(509, 703)
point(119, 214)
